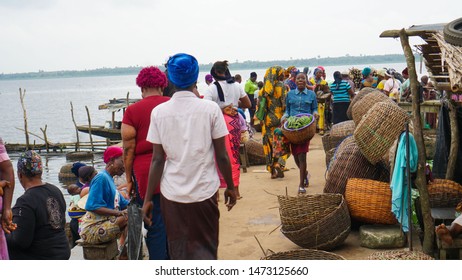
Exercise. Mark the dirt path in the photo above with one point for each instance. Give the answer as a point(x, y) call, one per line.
point(257, 214)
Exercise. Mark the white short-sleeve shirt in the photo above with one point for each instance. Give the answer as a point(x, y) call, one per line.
point(185, 127)
point(232, 93)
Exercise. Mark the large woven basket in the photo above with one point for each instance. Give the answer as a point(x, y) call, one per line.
point(329, 142)
point(329, 156)
point(399, 255)
point(365, 104)
point(342, 129)
point(255, 152)
point(444, 193)
point(301, 135)
point(304, 254)
point(369, 201)
point(379, 128)
point(363, 92)
point(323, 219)
point(349, 163)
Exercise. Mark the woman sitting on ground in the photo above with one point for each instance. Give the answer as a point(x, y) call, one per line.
point(40, 215)
point(104, 220)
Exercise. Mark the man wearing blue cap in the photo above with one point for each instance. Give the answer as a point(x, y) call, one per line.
point(188, 135)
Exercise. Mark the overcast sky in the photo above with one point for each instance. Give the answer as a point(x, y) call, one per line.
point(54, 35)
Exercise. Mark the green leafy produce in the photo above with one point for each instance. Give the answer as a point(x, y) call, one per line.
point(294, 122)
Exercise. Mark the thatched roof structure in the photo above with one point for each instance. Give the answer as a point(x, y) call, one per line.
point(443, 60)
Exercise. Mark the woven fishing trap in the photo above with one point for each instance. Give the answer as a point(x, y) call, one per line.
point(348, 163)
point(369, 201)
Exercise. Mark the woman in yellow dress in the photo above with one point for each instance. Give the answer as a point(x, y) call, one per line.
point(275, 146)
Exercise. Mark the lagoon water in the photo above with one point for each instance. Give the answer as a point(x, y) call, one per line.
point(47, 102)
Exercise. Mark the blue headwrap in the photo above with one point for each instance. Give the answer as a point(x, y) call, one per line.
point(75, 168)
point(183, 70)
point(366, 71)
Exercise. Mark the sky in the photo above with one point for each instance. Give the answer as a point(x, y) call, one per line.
point(53, 35)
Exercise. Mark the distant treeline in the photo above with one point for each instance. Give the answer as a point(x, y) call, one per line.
point(133, 70)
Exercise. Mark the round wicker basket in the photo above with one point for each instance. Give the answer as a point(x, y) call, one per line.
point(349, 163)
point(255, 152)
point(304, 254)
point(362, 106)
point(319, 221)
point(329, 142)
point(301, 135)
point(65, 175)
point(342, 129)
point(363, 92)
point(444, 193)
point(369, 201)
point(399, 255)
point(378, 130)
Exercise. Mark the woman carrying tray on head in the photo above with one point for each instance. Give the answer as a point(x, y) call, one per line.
point(301, 100)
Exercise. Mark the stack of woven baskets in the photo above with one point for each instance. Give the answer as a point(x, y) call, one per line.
point(319, 221)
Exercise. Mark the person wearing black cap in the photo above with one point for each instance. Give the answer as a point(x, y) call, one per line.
point(188, 137)
point(250, 87)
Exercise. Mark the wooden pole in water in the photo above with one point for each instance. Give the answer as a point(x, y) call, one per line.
point(421, 182)
point(89, 129)
point(77, 144)
point(44, 131)
point(21, 96)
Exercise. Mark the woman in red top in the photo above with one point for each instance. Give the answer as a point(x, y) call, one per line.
point(138, 152)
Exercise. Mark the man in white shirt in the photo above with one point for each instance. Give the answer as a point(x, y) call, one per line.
point(188, 135)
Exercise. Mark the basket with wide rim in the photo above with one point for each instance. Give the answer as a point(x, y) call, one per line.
point(325, 218)
point(363, 92)
point(399, 255)
point(330, 142)
point(444, 193)
point(348, 163)
point(342, 129)
point(378, 130)
point(255, 152)
point(363, 106)
point(301, 135)
point(369, 201)
point(303, 254)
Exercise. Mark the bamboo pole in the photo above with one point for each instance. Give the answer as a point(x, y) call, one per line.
point(77, 144)
point(429, 228)
point(21, 96)
point(44, 131)
point(89, 128)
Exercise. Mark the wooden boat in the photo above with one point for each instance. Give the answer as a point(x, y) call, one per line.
point(111, 130)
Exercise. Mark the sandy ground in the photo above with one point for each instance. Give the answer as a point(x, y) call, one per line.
point(257, 213)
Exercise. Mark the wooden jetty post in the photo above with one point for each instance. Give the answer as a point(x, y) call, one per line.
point(21, 96)
point(77, 144)
point(44, 131)
point(89, 128)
